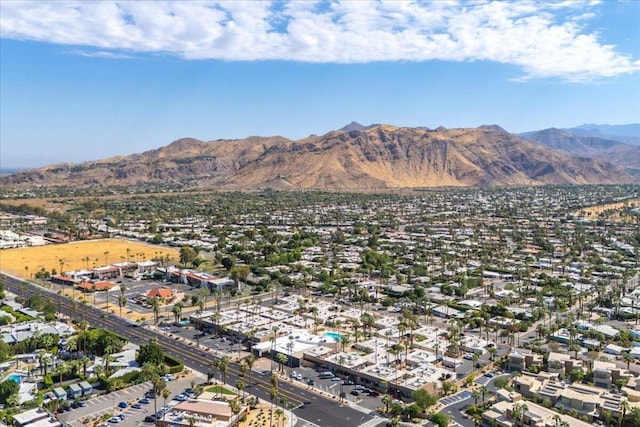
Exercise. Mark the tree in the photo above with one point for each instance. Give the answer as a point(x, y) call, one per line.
point(517, 412)
point(250, 360)
point(150, 353)
point(240, 386)
point(155, 306)
point(177, 311)
point(626, 356)
point(273, 395)
point(624, 406)
point(423, 398)
point(239, 273)
point(122, 301)
point(8, 389)
point(476, 395)
point(439, 419)
point(223, 366)
point(187, 255)
point(282, 359)
point(165, 393)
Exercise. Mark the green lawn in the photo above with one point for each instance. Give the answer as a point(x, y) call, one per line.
point(220, 390)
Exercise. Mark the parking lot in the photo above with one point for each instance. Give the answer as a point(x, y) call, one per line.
point(136, 288)
point(351, 392)
point(108, 404)
point(458, 397)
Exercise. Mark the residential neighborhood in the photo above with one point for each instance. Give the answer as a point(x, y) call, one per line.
point(485, 307)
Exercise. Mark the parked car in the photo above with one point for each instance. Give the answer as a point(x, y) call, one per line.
point(354, 392)
point(348, 382)
point(122, 405)
point(145, 401)
point(150, 419)
point(137, 405)
point(114, 420)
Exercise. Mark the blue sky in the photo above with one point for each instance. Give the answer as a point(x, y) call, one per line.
point(87, 80)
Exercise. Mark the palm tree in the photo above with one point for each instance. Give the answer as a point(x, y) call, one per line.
point(250, 360)
point(165, 393)
point(223, 366)
point(626, 356)
point(314, 312)
point(280, 415)
point(476, 395)
point(282, 359)
point(624, 405)
point(155, 306)
point(518, 410)
point(240, 387)
point(273, 395)
point(122, 301)
point(177, 311)
point(386, 400)
point(356, 325)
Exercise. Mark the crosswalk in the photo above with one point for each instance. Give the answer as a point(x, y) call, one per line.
point(372, 422)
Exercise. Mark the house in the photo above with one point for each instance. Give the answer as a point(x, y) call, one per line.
point(562, 364)
point(520, 359)
point(616, 350)
point(163, 294)
point(87, 389)
point(74, 391)
point(445, 311)
point(35, 417)
point(108, 272)
point(502, 414)
point(204, 412)
point(59, 393)
point(605, 374)
point(96, 287)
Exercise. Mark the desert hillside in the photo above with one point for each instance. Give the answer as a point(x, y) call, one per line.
point(375, 157)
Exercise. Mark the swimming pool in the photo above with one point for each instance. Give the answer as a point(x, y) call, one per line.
point(336, 336)
point(15, 378)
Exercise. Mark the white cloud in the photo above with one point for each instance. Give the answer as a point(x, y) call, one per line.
point(545, 39)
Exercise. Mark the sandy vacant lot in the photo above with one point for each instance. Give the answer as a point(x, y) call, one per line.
point(612, 209)
point(79, 255)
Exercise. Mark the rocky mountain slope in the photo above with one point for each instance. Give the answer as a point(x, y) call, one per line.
point(629, 134)
point(616, 152)
point(378, 157)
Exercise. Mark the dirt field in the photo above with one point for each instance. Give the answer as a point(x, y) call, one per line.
point(79, 255)
point(612, 209)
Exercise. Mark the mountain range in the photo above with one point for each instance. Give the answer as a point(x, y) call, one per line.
point(582, 142)
point(629, 134)
point(354, 158)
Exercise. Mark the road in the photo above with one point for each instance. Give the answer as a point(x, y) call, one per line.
point(455, 404)
point(308, 405)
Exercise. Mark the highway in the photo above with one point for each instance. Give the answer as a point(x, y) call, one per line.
point(308, 405)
